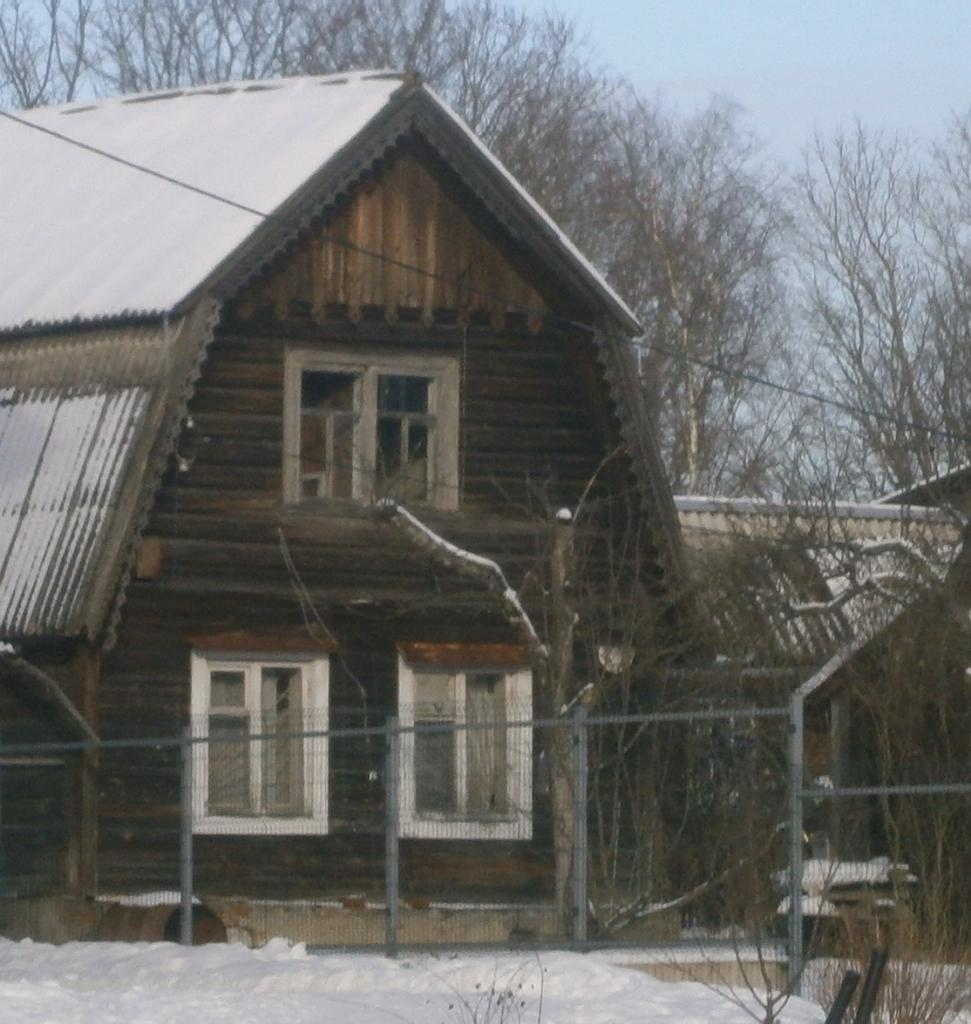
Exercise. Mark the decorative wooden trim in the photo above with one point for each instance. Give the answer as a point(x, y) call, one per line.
point(464, 655)
point(283, 640)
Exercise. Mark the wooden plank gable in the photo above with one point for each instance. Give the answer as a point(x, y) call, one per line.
point(407, 245)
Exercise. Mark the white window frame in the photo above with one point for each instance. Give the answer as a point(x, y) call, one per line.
point(314, 696)
point(369, 364)
point(518, 823)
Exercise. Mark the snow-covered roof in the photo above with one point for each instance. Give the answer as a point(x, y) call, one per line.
point(88, 238)
point(821, 876)
point(814, 581)
point(930, 489)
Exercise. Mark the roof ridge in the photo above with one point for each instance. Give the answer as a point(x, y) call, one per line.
point(233, 86)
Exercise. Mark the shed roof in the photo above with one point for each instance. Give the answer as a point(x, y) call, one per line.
point(799, 582)
point(82, 420)
point(117, 242)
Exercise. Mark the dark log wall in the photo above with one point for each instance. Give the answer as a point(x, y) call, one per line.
point(535, 425)
point(38, 809)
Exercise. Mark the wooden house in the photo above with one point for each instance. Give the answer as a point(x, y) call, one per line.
point(232, 318)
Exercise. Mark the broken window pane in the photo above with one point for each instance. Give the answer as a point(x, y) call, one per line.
point(388, 467)
point(403, 437)
point(327, 418)
point(416, 467)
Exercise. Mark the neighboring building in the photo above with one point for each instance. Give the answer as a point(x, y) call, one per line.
point(203, 392)
point(854, 605)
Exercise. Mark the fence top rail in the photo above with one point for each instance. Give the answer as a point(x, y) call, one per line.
point(349, 732)
point(392, 725)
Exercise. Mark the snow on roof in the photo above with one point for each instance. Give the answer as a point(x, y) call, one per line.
point(821, 876)
point(87, 238)
point(881, 509)
point(823, 578)
point(921, 488)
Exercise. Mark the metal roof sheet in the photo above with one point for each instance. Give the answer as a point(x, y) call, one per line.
point(76, 412)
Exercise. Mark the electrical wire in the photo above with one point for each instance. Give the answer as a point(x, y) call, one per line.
point(457, 282)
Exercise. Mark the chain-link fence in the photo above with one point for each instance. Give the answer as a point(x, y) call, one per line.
point(456, 821)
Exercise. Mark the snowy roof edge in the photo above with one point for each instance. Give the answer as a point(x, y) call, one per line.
point(838, 509)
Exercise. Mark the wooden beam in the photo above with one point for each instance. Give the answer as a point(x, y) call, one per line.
point(51, 690)
point(281, 640)
point(465, 655)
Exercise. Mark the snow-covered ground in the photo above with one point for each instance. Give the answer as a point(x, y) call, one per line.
point(158, 983)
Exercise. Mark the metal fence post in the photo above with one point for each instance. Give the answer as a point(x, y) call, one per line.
point(580, 847)
point(185, 839)
point(391, 859)
point(796, 762)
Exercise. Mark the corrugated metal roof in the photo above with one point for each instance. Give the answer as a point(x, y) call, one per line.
point(76, 413)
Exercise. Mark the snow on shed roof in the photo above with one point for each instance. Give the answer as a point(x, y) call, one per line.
point(87, 238)
point(817, 578)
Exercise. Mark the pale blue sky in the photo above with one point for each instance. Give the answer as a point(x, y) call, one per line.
point(794, 66)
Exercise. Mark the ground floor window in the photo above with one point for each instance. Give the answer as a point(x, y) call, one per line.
point(260, 765)
point(465, 756)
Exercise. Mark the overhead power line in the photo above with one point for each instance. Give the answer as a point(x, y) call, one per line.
point(457, 282)
point(815, 396)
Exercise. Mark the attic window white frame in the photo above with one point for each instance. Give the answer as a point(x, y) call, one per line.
point(517, 823)
point(368, 364)
point(314, 701)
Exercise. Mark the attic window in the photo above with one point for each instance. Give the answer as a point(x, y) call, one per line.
point(372, 425)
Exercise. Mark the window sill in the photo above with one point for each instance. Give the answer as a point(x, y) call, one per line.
point(466, 828)
point(251, 826)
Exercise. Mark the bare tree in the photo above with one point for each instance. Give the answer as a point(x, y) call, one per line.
point(695, 243)
point(884, 232)
point(145, 44)
point(43, 50)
